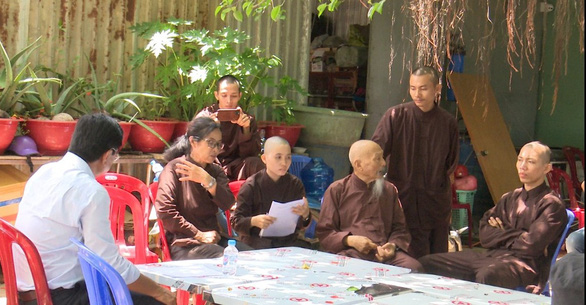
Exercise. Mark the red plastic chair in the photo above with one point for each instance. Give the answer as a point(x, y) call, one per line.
point(132, 185)
point(10, 235)
point(182, 295)
point(556, 178)
point(456, 204)
point(571, 153)
point(119, 200)
point(235, 188)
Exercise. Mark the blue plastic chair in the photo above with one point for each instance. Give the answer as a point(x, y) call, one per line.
point(571, 217)
point(102, 280)
point(298, 162)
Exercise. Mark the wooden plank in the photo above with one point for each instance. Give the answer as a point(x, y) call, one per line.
point(488, 132)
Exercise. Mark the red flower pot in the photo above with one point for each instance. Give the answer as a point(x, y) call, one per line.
point(8, 129)
point(126, 128)
point(180, 130)
point(288, 132)
point(143, 140)
point(52, 137)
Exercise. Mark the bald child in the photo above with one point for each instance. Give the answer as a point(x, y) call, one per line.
point(274, 183)
point(361, 215)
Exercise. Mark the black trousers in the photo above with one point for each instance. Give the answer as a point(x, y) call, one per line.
point(78, 296)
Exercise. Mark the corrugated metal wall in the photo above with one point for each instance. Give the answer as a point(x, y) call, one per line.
point(99, 29)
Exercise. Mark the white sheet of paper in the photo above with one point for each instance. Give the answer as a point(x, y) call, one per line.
point(286, 220)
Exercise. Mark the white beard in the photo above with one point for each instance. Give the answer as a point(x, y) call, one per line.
point(377, 188)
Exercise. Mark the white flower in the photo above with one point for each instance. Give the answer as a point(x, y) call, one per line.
point(160, 41)
point(198, 73)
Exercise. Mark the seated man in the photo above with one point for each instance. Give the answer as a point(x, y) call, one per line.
point(520, 232)
point(63, 200)
point(361, 215)
point(567, 275)
point(258, 192)
point(241, 138)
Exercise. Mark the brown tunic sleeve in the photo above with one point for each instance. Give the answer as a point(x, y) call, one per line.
point(328, 229)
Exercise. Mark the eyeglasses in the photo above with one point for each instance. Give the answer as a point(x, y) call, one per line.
point(115, 154)
point(214, 144)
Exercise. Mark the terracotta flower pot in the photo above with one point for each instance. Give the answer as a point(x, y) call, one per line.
point(180, 130)
point(288, 132)
point(8, 129)
point(143, 140)
point(126, 128)
point(52, 137)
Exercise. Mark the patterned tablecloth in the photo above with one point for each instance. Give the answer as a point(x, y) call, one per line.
point(302, 276)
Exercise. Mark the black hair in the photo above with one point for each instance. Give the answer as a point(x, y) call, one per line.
point(427, 70)
point(94, 135)
point(198, 128)
point(230, 79)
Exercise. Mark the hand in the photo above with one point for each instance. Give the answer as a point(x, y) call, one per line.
point(363, 244)
point(243, 119)
point(535, 289)
point(167, 297)
point(192, 172)
point(209, 237)
point(301, 209)
point(385, 252)
point(262, 221)
point(496, 223)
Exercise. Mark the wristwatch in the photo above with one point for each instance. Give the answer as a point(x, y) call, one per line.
point(210, 185)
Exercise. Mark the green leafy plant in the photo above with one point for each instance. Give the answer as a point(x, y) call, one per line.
point(283, 106)
point(17, 79)
point(190, 61)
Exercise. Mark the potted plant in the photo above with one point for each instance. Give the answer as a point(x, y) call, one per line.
point(189, 62)
point(14, 84)
point(284, 123)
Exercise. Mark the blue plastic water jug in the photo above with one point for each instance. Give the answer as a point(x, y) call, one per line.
point(316, 177)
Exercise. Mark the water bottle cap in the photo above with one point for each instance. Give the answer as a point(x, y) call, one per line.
point(231, 242)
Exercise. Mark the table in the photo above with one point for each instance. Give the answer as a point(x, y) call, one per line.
point(293, 275)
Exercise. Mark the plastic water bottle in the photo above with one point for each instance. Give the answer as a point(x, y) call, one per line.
point(229, 265)
point(316, 177)
point(157, 169)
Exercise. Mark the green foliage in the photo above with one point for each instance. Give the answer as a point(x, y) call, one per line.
point(190, 61)
point(17, 79)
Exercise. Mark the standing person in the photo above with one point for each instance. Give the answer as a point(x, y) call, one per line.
point(241, 138)
point(191, 189)
point(63, 200)
point(521, 232)
point(420, 144)
point(361, 215)
point(259, 191)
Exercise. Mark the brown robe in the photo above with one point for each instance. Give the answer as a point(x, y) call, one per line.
point(349, 209)
point(255, 197)
point(421, 151)
point(187, 207)
point(519, 255)
point(240, 152)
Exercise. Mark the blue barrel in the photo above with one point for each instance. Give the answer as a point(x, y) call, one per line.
point(456, 65)
point(316, 177)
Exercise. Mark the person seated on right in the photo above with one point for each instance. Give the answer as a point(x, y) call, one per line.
point(520, 232)
point(191, 189)
point(256, 195)
point(361, 215)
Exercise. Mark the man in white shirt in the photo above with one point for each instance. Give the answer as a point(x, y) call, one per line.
point(63, 200)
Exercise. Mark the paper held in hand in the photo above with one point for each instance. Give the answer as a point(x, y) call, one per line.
point(286, 220)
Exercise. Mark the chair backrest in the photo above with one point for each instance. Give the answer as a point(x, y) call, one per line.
point(571, 153)
point(9, 236)
point(132, 185)
point(166, 257)
point(298, 162)
point(101, 278)
point(556, 178)
point(559, 246)
point(119, 200)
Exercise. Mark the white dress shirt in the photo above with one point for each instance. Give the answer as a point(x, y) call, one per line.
point(63, 200)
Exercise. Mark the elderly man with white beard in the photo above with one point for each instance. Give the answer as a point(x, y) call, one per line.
point(361, 215)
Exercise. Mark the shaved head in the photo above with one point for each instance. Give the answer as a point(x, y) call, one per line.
point(361, 149)
point(273, 142)
point(541, 149)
